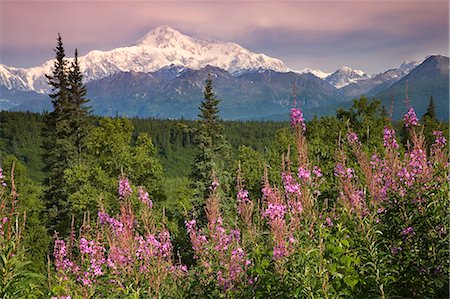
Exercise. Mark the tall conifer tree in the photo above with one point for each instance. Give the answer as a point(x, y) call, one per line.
point(63, 133)
point(213, 148)
point(79, 119)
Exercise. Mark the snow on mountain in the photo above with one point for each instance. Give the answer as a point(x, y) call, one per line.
point(345, 76)
point(11, 80)
point(161, 47)
point(408, 66)
point(317, 73)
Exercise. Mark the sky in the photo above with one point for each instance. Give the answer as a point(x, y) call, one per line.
point(369, 35)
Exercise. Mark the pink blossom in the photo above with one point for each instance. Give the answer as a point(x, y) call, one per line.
point(124, 188)
point(275, 211)
point(279, 251)
point(62, 263)
point(115, 224)
point(303, 173)
point(440, 139)
point(243, 195)
point(297, 118)
point(409, 231)
point(410, 118)
point(389, 138)
point(214, 185)
point(317, 172)
point(289, 183)
point(353, 139)
point(341, 171)
point(144, 197)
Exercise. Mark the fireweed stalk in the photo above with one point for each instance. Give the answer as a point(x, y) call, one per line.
point(118, 255)
point(286, 208)
point(245, 206)
point(350, 194)
point(219, 250)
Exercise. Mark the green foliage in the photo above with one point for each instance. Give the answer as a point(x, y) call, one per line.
point(18, 275)
point(111, 150)
point(20, 136)
point(419, 260)
point(29, 211)
point(251, 164)
point(366, 119)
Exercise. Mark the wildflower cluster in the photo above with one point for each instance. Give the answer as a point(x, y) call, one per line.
point(219, 250)
point(124, 188)
point(389, 138)
point(297, 118)
point(119, 252)
point(410, 118)
point(145, 198)
point(2, 178)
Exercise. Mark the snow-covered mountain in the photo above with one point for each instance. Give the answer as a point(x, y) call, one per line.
point(318, 73)
point(161, 47)
point(345, 76)
point(377, 82)
point(11, 81)
point(408, 66)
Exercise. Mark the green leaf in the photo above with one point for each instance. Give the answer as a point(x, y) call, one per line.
point(351, 282)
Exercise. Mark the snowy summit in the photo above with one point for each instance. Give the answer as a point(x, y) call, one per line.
point(159, 48)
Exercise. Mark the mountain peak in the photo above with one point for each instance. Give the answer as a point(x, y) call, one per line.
point(408, 66)
point(345, 76)
point(162, 37)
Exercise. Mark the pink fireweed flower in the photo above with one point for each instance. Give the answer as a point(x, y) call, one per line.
point(409, 231)
point(297, 118)
point(440, 140)
point(279, 251)
point(410, 118)
point(124, 188)
point(275, 211)
point(295, 206)
point(214, 185)
point(2, 182)
point(289, 183)
point(395, 250)
point(62, 263)
point(341, 171)
point(144, 197)
point(353, 139)
point(191, 226)
point(389, 138)
point(317, 172)
point(242, 199)
point(115, 224)
point(243, 195)
point(303, 174)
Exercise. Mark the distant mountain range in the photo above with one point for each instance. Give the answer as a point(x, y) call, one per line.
point(162, 75)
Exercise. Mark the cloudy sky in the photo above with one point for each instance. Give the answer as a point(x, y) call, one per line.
point(368, 35)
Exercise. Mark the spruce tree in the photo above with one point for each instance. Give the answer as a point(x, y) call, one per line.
point(213, 150)
point(80, 118)
point(63, 134)
point(429, 122)
point(431, 113)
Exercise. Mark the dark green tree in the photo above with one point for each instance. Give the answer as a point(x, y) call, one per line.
point(431, 113)
point(213, 149)
point(63, 134)
point(429, 122)
point(80, 118)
